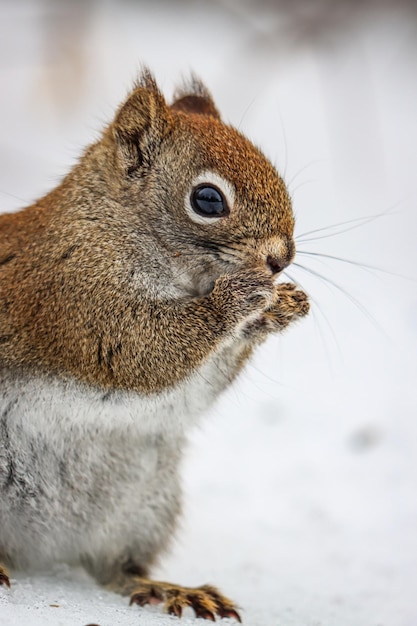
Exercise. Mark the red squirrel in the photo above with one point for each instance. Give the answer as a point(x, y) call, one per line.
point(130, 296)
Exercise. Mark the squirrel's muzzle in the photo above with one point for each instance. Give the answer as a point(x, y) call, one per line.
point(277, 260)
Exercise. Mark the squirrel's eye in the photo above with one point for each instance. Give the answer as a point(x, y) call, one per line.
point(208, 201)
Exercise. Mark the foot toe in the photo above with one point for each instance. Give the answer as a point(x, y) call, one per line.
point(4, 579)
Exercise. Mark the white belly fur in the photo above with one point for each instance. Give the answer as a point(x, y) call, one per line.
point(91, 475)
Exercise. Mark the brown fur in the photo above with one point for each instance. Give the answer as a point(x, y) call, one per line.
point(68, 302)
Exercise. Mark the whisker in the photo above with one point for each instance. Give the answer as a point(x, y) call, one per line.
point(284, 137)
point(342, 259)
point(12, 195)
point(245, 112)
point(354, 301)
point(302, 184)
point(356, 223)
point(303, 169)
point(364, 266)
point(338, 225)
point(203, 251)
point(324, 316)
point(213, 247)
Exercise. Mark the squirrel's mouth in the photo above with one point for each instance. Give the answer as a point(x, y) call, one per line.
point(197, 279)
point(202, 282)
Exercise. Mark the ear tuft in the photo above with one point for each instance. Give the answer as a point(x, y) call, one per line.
point(194, 97)
point(147, 81)
point(140, 123)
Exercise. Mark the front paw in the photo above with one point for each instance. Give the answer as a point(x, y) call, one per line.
point(243, 295)
point(289, 305)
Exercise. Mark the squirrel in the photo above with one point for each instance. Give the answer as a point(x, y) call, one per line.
point(130, 297)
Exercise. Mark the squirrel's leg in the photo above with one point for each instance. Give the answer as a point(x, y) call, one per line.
point(4, 577)
point(206, 601)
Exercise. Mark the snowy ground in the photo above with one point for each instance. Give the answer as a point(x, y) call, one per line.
point(301, 485)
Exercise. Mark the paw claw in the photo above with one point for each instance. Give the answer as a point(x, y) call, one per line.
point(230, 613)
point(175, 609)
point(4, 579)
point(206, 615)
point(139, 598)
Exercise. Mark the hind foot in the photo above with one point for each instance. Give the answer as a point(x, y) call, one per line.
point(206, 601)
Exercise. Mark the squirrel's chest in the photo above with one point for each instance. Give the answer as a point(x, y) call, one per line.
point(53, 407)
point(46, 424)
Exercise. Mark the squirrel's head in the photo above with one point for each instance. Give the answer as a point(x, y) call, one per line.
point(210, 198)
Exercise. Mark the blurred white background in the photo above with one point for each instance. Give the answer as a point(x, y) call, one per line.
point(301, 485)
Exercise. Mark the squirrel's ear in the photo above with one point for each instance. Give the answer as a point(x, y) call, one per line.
point(194, 97)
point(140, 124)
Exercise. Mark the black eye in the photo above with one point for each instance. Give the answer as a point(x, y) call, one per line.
point(208, 201)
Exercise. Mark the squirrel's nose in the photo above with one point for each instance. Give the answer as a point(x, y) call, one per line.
point(275, 264)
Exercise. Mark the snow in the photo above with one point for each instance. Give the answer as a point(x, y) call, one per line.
point(301, 483)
